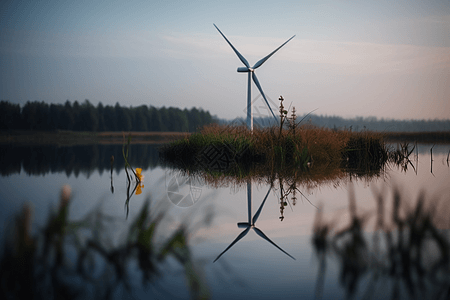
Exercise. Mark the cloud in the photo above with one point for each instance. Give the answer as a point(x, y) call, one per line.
point(350, 57)
point(347, 57)
point(368, 58)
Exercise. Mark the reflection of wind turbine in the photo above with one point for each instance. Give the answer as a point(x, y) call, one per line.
point(251, 223)
point(252, 74)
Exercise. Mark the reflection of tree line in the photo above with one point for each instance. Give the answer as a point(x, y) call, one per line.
point(408, 255)
point(73, 160)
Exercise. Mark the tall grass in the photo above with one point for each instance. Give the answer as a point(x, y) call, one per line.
point(277, 149)
point(284, 150)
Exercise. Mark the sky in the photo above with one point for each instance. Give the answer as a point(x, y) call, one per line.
point(388, 59)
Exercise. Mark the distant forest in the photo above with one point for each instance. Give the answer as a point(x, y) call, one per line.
point(381, 125)
point(87, 117)
point(360, 123)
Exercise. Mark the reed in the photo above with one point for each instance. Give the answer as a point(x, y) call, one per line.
point(279, 149)
point(365, 151)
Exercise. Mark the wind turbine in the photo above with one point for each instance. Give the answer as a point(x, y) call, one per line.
point(251, 223)
point(252, 75)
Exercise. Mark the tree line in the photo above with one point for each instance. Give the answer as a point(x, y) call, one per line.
point(381, 125)
point(87, 117)
point(359, 123)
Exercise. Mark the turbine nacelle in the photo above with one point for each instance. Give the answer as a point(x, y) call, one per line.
point(245, 69)
point(243, 224)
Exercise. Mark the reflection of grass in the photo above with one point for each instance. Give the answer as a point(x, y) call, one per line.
point(401, 155)
point(71, 260)
point(408, 248)
point(125, 150)
point(439, 137)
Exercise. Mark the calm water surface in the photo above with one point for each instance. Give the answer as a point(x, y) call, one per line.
point(252, 268)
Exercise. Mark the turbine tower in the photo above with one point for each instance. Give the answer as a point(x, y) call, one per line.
point(252, 75)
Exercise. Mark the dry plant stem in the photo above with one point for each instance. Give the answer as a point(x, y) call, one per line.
point(125, 156)
point(282, 114)
point(293, 118)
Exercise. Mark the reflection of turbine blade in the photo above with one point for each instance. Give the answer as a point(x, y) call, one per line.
point(255, 217)
point(255, 79)
point(261, 234)
point(240, 236)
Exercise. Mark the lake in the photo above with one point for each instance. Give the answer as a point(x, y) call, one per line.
point(339, 238)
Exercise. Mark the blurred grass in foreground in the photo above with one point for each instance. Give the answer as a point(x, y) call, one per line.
point(80, 259)
point(406, 255)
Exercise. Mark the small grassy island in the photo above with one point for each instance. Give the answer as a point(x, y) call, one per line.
point(289, 151)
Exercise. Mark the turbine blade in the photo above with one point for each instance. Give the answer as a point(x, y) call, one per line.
point(261, 234)
point(244, 61)
point(255, 79)
point(240, 236)
point(256, 216)
point(263, 60)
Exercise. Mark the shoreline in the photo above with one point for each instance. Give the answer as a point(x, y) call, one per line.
point(72, 138)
